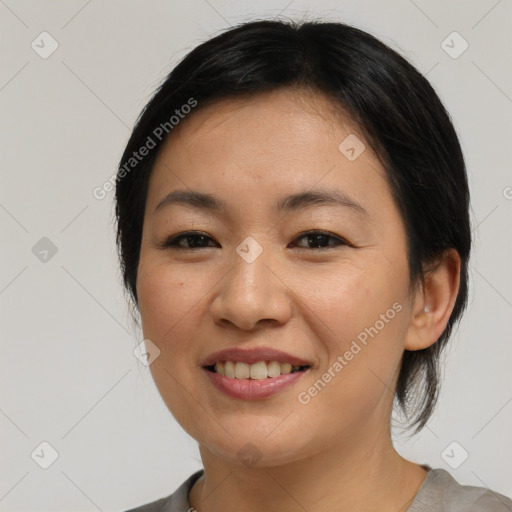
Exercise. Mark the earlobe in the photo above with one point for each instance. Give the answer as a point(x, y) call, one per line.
point(433, 301)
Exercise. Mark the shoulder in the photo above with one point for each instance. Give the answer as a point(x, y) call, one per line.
point(154, 506)
point(175, 502)
point(440, 492)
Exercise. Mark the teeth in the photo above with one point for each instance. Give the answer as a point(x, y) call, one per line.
point(242, 371)
point(273, 369)
point(229, 369)
point(257, 371)
point(286, 368)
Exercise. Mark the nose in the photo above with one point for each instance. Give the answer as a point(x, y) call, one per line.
point(252, 293)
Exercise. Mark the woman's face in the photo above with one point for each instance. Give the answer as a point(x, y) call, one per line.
point(251, 277)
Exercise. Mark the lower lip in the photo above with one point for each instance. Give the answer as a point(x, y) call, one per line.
point(253, 389)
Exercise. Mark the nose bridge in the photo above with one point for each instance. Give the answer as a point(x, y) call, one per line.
point(251, 291)
point(251, 268)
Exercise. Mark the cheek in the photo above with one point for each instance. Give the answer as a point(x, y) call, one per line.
point(169, 307)
point(166, 299)
point(365, 311)
point(354, 296)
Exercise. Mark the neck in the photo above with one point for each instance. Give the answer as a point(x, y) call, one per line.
point(365, 474)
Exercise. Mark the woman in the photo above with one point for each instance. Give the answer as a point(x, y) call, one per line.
point(293, 229)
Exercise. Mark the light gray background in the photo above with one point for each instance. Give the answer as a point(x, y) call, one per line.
point(68, 374)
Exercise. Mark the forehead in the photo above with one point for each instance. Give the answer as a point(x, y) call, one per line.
point(274, 142)
point(291, 113)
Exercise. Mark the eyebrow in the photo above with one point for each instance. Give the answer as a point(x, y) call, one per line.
point(293, 202)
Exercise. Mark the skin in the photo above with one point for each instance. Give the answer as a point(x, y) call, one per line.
point(298, 297)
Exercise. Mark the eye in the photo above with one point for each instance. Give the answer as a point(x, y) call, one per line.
point(197, 240)
point(321, 239)
point(190, 240)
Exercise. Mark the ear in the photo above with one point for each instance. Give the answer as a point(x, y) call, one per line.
point(433, 301)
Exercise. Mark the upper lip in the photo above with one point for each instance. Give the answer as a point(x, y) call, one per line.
point(253, 355)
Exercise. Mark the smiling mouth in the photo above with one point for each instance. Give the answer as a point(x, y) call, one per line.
point(257, 371)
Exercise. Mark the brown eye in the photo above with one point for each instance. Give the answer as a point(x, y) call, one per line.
point(321, 240)
point(191, 240)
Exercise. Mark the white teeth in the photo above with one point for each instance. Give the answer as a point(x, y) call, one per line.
point(257, 371)
point(273, 369)
point(242, 370)
point(286, 368)
point(229, 369)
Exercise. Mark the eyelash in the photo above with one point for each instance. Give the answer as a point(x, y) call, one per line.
point(172, 242)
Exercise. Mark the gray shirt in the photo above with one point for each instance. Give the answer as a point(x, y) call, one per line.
point(439, 492)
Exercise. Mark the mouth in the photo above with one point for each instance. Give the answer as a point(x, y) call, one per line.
point(256, 371)
point(253, 373)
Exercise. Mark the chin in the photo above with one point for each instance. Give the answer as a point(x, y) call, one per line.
point(255, 445)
